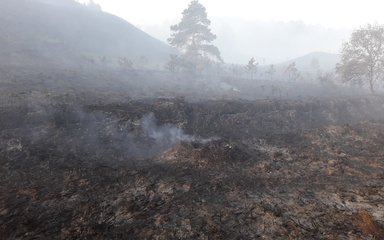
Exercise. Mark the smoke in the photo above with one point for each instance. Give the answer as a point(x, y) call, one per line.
point(165, 136)
point(146, 140)
point(107, 134)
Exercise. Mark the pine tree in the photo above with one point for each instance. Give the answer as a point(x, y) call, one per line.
point(271, 71)
point(193, 38)
point(292, 72)
point(252, 66)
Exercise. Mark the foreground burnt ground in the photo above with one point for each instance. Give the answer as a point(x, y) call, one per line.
point(240, 170)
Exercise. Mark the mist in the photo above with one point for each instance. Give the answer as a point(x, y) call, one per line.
point(270, 42)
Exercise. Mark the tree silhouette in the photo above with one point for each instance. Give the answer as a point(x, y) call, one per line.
point(292, 72)
point(193, 38)
point(271, 71)
point(252, 66)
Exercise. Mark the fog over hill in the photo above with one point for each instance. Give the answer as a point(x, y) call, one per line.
point(65, 32)
point(308, 62)
point(274, 42)
point(268, 41)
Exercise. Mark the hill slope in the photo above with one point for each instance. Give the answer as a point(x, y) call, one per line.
point(325, 61)
point(65, 32)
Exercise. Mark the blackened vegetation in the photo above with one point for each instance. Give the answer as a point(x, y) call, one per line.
point(237, 170)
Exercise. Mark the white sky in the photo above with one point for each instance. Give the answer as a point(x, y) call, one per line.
point(329, 13)
point(232, 21)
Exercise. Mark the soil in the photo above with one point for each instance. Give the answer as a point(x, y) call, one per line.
point(262, 169)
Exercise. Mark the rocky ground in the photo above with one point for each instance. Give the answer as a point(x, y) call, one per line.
point(173, 169)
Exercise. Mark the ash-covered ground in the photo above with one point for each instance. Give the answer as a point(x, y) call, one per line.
point(87, 163)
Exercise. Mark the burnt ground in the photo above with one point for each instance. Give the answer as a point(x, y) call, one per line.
point(80, 158)
point(252, 170)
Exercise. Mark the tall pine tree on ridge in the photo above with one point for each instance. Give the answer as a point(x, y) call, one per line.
point(193, 38)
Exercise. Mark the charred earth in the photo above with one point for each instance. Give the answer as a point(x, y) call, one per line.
point(169, 168)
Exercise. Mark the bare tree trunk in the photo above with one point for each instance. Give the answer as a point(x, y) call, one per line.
point(371, 80)
point(371, 86)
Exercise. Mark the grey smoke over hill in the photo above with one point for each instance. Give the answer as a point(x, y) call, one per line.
point(64, 32)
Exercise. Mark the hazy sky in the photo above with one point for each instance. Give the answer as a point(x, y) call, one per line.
point(329, 13)
point(327, 23)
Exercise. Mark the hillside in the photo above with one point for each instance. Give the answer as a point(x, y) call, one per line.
point(325, 61)
point(63, 32)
